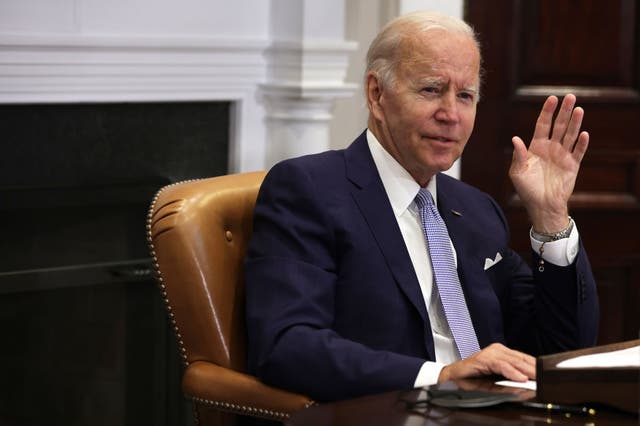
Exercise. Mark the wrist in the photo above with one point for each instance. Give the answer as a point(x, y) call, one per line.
point(550, 223)
point(547, 237)
point(444, 375)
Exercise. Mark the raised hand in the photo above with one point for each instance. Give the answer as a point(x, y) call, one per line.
point(545, 174)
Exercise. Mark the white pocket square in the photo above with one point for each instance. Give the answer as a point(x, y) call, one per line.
point(488, 263)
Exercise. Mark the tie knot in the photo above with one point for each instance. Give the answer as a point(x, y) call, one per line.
point(424, 198)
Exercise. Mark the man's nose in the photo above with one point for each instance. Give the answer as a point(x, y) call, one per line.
point(448, 109)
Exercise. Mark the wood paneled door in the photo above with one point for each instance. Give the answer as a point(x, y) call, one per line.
point(534, 48)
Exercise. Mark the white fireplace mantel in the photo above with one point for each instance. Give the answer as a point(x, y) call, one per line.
point(282, 75)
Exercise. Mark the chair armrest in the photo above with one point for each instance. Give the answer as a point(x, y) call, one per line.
point(232, 391)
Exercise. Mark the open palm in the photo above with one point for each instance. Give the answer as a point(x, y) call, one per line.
point(544, 175)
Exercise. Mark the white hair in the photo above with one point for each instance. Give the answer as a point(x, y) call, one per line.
point(382, 57)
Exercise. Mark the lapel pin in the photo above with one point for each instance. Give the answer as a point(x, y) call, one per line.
point(456, 212)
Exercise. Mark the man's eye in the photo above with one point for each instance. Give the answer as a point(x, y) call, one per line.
point(431, 89)
point(466, 96)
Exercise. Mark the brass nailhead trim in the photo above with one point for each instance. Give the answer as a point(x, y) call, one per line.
point(156, 267)
point(242, 409)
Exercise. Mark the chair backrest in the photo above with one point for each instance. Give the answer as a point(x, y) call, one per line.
point(198, 233)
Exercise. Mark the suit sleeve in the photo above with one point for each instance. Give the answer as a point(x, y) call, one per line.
point(291, 275)
point(567, 304)
point(551, 309)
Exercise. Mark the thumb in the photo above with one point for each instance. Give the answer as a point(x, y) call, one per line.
point(519, 157)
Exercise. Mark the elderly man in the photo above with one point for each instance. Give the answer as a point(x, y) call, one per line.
point(369, 270)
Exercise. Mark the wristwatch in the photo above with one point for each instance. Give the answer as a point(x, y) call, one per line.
point(554, 236)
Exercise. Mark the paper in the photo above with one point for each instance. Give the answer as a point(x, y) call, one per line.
point(530, 384)
point(629, 357)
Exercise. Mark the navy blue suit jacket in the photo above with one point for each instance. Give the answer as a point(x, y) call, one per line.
point(334, 308)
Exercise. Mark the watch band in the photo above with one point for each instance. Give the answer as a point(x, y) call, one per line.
point(553, 236)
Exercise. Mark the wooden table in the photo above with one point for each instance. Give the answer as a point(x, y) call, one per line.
point(399, 408)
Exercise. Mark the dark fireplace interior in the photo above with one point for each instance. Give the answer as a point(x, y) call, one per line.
point(86, 339)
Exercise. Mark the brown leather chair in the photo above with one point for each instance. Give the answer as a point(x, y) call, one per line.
point(197, 233)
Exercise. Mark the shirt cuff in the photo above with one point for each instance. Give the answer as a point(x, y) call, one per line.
point(561, 252)
point(428, 374)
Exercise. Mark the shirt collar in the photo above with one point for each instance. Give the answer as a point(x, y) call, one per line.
point(401, 188)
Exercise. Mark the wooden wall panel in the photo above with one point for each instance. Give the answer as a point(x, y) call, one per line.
point(535, 48)
point(579, 43)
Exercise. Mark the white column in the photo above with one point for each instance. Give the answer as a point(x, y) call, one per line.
point(306, 68)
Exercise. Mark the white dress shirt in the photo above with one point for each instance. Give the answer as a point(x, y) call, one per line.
point(402, 189)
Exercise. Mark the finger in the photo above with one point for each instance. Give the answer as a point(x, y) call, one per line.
point(512, 373)
point(545, 118)
point(527, 366)
point(519, 371)
point(519, 152)
point(562, 120)
point(524, 363)
point(581, 146)
point(573, 129)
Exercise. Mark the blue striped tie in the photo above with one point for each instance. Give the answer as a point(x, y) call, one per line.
point(446, 276)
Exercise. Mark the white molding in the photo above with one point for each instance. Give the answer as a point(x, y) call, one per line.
point(305, 77)
point(83, 69)
point(334, 47)
point(309, 62)
point(294, 109)
point(307, 90)
point(298, 116)
point(143, 40)
point(110, 68)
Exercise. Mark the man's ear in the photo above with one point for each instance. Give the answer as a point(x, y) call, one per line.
point(374, 94)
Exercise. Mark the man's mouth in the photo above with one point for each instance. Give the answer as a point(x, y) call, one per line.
point(440, 139)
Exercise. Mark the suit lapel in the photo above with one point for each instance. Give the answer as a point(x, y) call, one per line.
point(479, 294)
point(452, 211)
point(371, 198)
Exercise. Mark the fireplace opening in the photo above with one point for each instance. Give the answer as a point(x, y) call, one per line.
point(87, 341)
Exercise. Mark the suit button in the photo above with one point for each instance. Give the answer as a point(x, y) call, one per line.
point(581, 289)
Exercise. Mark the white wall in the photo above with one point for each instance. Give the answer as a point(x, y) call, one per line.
point(137, 17)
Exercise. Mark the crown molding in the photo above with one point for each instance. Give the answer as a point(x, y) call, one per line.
point(131, 41)
point(60, 68)
point(309, 63)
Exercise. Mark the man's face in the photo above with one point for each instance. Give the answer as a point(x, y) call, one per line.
point(426, 117)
